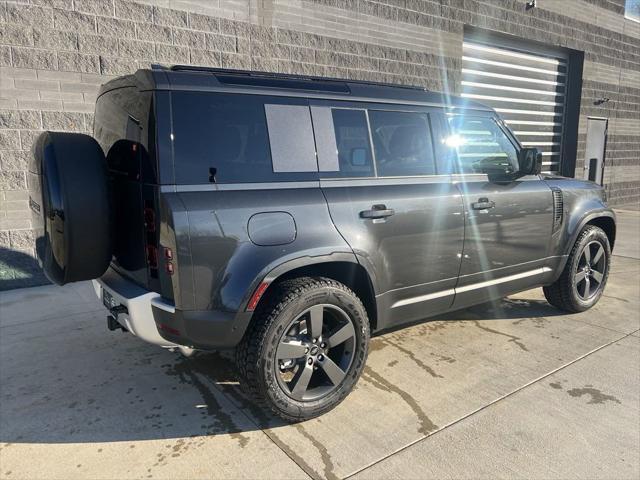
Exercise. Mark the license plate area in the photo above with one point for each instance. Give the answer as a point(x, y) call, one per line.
point(108, 300)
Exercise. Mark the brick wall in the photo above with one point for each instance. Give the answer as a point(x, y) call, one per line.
point(54, 54)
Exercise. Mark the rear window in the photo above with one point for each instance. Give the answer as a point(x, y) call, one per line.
point(344, 147)
point(244, 138)
point(123, 128)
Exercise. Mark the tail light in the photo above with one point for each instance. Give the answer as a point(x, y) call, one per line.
point(151, 239)
point(152, 256)
point(149, 219)
point(168, 257)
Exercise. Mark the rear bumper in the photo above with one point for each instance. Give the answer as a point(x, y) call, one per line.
point(156, 321)
point(202, 330)
point(139, 303)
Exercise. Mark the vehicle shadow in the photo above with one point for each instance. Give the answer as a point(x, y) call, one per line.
point(509, 309)
point(87, 385)
point(17, 270)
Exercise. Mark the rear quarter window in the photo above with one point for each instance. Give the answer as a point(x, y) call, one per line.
point(245, 138)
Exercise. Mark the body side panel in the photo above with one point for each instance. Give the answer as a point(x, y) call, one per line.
point(225, 263)
point(583, 202)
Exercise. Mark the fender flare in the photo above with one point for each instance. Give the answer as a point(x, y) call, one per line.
point(589, 217)
point(584, 221)
point(272, 272)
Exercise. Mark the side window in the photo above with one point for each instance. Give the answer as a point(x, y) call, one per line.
point(225, 132)
point(402, 143)
point(239, 135)
point(481, 146)
point(342, 139)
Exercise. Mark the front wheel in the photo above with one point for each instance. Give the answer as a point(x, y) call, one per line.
point(305, 349)
point(584, 277)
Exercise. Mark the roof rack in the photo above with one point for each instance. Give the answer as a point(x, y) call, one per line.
point(287, 76)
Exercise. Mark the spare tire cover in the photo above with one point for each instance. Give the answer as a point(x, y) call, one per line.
point(68, 197)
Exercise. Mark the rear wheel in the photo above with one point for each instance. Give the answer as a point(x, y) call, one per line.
point(584, 277)
point(305, 349)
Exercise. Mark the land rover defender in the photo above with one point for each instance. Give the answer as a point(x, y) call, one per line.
point(290, 217)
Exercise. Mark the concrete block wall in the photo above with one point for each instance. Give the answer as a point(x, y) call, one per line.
point(54, 54)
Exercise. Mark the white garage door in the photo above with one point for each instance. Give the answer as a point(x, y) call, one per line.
point(527, 90)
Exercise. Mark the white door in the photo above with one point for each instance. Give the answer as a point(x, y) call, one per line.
point(594, 151)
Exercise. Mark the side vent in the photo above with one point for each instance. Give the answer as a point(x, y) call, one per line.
point(558, 208)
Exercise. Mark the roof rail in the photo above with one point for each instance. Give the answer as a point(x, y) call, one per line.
point(288, 76)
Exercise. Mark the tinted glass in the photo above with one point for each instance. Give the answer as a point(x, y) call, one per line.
point(123, 116)
point(225, 132)
point(481, 146)
point(402, 143)
point(352, 144)
point(228, 133)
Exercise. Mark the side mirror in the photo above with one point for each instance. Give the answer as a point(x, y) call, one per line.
point(494, 166)
point(358, 157)
point(529, 161)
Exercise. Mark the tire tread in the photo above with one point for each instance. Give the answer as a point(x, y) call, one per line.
point(249, 352)
point(560, 293)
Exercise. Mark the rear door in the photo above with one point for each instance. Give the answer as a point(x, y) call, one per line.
point(508, 223)
point(124, 130)
point(392, 202)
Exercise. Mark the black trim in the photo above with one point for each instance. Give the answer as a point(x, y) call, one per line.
point(226, 75)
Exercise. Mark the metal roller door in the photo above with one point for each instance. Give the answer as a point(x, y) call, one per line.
point(527, 89)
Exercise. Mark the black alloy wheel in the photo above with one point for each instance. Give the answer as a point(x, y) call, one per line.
point(305, 348)
point(584, 277)
point(590, 270)
point(315, 352)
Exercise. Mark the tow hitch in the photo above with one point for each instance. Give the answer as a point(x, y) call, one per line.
point(112, 320)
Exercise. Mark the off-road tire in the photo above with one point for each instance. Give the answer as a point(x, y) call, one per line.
point(70, 207)
point(255, 355)
point(562, 293)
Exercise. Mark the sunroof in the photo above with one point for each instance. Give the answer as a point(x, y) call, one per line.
point(298, 84)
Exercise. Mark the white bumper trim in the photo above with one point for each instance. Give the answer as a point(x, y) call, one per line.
point(139, 319)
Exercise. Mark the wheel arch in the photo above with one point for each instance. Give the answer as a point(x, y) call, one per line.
point(607, 224)
point(342, 268)
point(604, 219)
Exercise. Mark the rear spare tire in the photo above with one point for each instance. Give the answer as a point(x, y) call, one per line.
point(68, 197)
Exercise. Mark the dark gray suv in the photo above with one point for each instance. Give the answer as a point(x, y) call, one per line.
point(290, 217)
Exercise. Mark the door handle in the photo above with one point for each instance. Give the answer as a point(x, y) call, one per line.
point(483, 204)
point(377, 211)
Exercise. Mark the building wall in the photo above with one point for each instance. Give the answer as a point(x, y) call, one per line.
point(54, 54)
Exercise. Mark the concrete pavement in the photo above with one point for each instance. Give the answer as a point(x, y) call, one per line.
point(509, 390)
